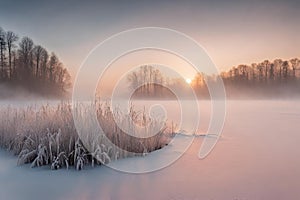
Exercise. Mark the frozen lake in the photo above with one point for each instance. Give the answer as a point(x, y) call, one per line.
point(257, 157)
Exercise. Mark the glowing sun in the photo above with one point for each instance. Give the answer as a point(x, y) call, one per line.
point(188, 81)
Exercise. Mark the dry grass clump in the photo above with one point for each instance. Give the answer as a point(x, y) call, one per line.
point(46, 135)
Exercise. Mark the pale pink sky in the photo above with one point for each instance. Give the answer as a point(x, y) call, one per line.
point(233, 32)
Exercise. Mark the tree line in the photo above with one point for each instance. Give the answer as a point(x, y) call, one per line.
point(149, 82)
point(263, 73)
point(31, 67)
point(279, 78)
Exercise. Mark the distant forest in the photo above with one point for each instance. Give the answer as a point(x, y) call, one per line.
point(30, 68)
point(277, 79)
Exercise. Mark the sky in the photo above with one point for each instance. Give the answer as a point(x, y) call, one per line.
point(232, 32)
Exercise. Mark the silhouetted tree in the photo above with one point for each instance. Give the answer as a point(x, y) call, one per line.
point(25, 56)
point(53, 64)
point(44, 62)
point(278, 67)
point(2, 53)
point(37, 53)
point(11, 38)
point(295, 64)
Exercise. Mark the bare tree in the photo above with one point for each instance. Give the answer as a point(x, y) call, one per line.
point(285, 68)
point(11, 38)
point(44, 63)
point(271, 72)
point(37, 53)
point(278, 67)
point(266, 65)
point(53, 63)
point(132, 78)
point(2, 52)
point(25, 56)
point(260, 69)
point(253, 70)
point(295, 63)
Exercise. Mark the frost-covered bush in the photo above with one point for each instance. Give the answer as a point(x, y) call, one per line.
point(46, 135)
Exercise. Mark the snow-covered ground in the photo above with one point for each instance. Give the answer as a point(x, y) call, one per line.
point(257, 157)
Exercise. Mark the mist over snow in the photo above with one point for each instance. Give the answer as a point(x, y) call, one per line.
point(257, 157)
